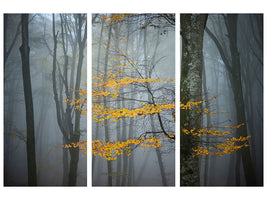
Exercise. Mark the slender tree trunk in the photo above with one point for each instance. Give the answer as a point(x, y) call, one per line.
point(206, 163)
point(68, 109)
point(97, 74)
point(131, 129)
point(124, 133)
point(130, 180)
point(24, 50)
point(74, 152)
point(105, 104)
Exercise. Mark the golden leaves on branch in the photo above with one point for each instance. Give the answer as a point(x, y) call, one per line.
point(225, 148)
point(82, 146)
point(191, 104)
point(228, 146)
point(215, 132)
point(108, 85)
point(114, 18)
point(78, 104)
point(110, 150)
point(101, 113)
point(113, 84)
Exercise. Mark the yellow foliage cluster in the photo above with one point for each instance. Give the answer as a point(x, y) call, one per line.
point(101, 113)
point(109, 85)
point(112, 84)
point(232, 127)
point(114, 18)
point(206, 131)
point(110, 150)
point(227, 147)
point(78, 104)
point(171, 135)
point(82, 146)
point(206, 111)
point(215, 132)
point(191, 104)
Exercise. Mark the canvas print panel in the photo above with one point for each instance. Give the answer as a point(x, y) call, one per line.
point(221, 100)
point(133, 92)
point(45, 99)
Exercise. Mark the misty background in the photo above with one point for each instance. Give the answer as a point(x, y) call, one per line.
point(228, 170)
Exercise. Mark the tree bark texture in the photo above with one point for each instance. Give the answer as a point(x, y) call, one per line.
point(192, 30)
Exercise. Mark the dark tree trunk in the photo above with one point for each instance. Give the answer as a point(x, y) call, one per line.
point(24, 50)
point(74, 160)
point(65, 155)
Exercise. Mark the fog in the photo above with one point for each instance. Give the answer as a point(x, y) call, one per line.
point(144, 45)
point(50, 170)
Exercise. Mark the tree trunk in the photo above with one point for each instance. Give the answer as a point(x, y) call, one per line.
point(74, 160)
point(207, 137)
point(124, 132)
point(65, 155)
point(97, 74)
point(105, 104)
point(192, 29)
point(24, 50)
point(74, 152)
